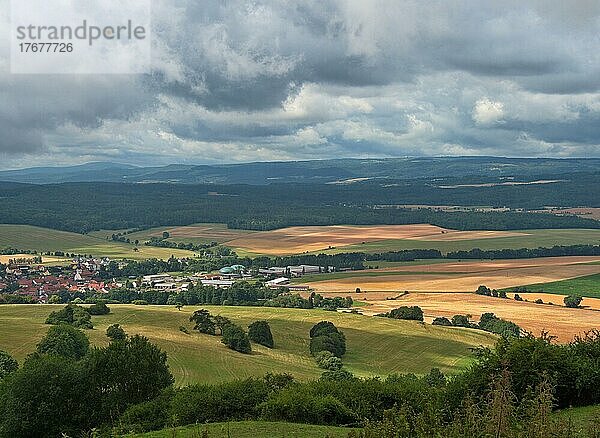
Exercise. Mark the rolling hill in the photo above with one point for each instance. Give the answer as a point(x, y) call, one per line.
point(375, 346)
point(25, 237)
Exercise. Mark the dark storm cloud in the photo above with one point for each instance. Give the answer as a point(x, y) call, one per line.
point(274, 79)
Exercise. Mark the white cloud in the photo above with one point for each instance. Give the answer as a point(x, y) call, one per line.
point(487, 112)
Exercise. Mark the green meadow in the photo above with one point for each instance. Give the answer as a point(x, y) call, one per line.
point(27, 237)
point(375, 346)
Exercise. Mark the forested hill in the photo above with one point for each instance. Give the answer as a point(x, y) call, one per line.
point(315, 171)
point(83, 207)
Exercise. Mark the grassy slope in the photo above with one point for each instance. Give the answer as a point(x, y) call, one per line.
point(199, 233)
point(581, 417)
point(376, 346)
point(534, 239)
point(251, 429)
point(44, 239)
point(587, 286)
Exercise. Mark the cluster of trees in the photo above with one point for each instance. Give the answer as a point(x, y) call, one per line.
point(325, 336)
point(141, 268)
point(273, 206)
point(232, 335)
point(413, 313)
point(488, 322)
point(9, 298)
point(484, 290)
point(77, 316)
point(73, 315)
point(573, 301)
point(509, 391)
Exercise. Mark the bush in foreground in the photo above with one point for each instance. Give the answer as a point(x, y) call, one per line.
point(328, 361)
point(66, 341)
point(7, 364)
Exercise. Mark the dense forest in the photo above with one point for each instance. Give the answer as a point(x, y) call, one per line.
point(83, 207)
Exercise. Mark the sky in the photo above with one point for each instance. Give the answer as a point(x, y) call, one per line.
point(238, 81)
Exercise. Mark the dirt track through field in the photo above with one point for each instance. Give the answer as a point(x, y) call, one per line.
point(295, 240)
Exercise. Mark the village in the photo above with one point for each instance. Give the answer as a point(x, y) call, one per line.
point(32, 280)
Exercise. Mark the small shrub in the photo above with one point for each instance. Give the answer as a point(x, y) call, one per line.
point(147, 416)
point(301, 407)
point(140, 302)
point(65, 341)
point(99, 308)
point(337, 375)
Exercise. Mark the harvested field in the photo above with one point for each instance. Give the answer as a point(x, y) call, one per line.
point(295, 240)
point(196, 233)
point(462, 276)
point(452, 235)
point(558, 299)
point(560, 321)
point(467, 240)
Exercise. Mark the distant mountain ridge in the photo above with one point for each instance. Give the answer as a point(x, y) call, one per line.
point(338, 171)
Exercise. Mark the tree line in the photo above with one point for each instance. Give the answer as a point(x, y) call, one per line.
point(352, 260)
point(240, 293)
